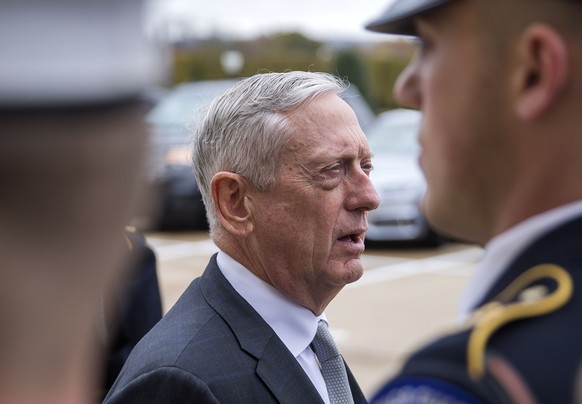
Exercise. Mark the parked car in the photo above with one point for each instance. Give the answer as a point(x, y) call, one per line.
point(397, 177)
point(180, 202)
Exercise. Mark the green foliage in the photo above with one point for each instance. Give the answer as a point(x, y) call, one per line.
point(373, 68)
point(385, 62)
point(294, 42)
point(349, 65)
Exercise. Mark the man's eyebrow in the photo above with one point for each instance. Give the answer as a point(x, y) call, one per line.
point(368, 154)
point(322, 161)
point(365, 152)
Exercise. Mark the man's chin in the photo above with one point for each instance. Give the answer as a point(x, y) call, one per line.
point(353, 270)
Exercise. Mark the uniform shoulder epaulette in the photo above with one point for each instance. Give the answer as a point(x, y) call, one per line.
point(428, 378)
point(525, 297)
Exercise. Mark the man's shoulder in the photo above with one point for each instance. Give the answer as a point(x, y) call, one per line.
point(522, 336)
point(167, 384)
point(188, 340)
point(178, 328)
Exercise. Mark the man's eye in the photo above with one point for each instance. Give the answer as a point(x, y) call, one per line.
point(368, 167)
point(331, 171)
point(329, 177)
point(336, 168)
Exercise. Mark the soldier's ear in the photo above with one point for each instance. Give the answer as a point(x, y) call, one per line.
point(542, 70)
point(230, 196)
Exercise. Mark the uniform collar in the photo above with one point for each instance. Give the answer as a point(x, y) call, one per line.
point(505, 248)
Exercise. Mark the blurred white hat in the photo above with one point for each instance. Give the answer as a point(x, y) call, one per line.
point(74, 51)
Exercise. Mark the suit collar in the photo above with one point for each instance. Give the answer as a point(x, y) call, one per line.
point(296, 327)
point(276, 366)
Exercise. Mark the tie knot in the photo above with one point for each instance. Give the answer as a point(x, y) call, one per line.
point(323, 344)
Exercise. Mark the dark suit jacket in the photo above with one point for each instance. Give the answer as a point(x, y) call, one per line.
point(545, 350)
point(213, 347)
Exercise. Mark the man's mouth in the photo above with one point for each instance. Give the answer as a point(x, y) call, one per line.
point(353, 238)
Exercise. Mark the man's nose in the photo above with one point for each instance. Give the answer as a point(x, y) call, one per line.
point(364, 195)
point(407, 89)
point(374, 197)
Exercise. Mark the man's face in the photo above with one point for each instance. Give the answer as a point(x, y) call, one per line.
point(309, 230)
point(457, 81)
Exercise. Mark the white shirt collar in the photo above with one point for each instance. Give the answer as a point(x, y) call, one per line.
point(295, 325)
point(505, 247)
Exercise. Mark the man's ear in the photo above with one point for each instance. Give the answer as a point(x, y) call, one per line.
point(542, 70)
point(230, 195)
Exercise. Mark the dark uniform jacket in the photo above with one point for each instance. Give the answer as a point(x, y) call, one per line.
point(213, 347)
point(530, 323)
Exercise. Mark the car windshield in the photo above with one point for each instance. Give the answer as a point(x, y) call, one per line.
point(179, 108)
point(394, 137)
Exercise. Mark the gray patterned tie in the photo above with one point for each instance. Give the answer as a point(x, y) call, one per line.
point(332, 366)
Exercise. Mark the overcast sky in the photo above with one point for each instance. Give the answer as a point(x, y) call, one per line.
point(318, 19)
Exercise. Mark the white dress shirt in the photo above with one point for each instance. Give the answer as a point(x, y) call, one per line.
point(294, 324)
point(505, 247)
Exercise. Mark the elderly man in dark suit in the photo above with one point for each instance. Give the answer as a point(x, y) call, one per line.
point(283, 167)
point(499, 83)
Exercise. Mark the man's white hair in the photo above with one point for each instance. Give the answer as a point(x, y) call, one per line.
point(246, 129)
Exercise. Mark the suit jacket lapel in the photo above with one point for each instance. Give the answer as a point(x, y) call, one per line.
point(284, 376)
point(276, 366)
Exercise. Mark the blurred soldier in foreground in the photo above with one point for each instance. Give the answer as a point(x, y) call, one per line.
point(71, 145)
point(499, 83)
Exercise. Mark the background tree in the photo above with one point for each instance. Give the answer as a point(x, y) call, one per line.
point(372, 67)
point(348, 64)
